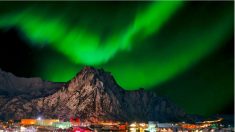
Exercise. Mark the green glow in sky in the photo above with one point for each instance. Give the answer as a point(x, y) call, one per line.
point(143, 48)
point(82, 46)
point(185, 49)
point(85, 47)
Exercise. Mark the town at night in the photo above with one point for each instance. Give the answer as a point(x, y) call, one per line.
point(75, 125)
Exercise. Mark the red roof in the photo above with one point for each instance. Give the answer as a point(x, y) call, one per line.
point(81, 129)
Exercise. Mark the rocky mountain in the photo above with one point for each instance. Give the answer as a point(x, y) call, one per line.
point(11, 86)
point(93, 95)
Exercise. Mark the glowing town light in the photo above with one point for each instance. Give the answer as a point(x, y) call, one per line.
point(142, 124)
point(133, 129)
point(133, 125)
point(151, 126)
point(39, 118)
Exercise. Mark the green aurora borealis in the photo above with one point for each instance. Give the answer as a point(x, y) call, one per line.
point(143, 44)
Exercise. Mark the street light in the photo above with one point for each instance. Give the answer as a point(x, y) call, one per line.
point(39, 118)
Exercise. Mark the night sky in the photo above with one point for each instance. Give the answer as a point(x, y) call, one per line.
point(181, 50)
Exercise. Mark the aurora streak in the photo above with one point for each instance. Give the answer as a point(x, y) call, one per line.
point(146, 48)
point(84, 47)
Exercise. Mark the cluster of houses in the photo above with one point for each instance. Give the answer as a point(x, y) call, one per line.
point(74, 125)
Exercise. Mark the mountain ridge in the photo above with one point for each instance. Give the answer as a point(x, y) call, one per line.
point(12, 85)
point(93, 95)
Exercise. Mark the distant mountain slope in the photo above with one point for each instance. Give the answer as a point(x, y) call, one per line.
point(93, 95)
point(11, 85)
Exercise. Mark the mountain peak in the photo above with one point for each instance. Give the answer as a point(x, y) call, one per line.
point(90, 70)
point(87, 69)
point(90, 76)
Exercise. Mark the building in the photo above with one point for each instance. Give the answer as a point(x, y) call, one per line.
point(46, 122)
point(123, 127)
point(62, 125)
point(151, 126)
point(28, 121)
point(75, 121)
point(82, 129)
point(133, 127)
point(165, 127)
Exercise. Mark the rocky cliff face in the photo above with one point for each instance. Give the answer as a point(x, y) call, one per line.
point(93, 95)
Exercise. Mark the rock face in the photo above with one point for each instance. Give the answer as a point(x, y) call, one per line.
point(93, 95)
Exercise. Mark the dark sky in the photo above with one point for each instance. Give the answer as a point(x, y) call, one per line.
point(182, 50)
